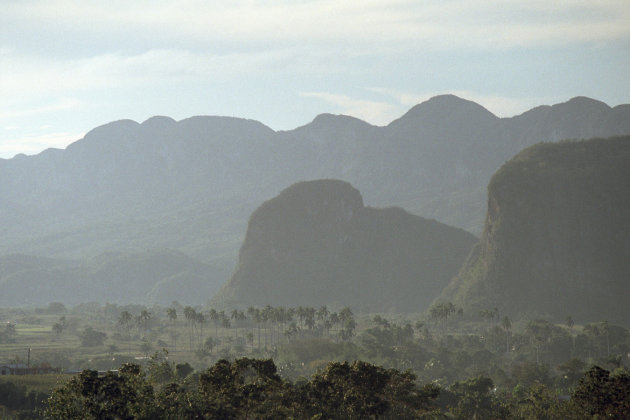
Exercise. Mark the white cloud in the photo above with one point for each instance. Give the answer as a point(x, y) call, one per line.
point(367, 24)
point(40, 76)
point(63, 104)
point(104, 55)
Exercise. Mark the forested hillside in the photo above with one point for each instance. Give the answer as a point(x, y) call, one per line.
point(190, 186)
point(557, 235)
point(317, 244)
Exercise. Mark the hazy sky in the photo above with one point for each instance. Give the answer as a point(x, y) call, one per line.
point(69, 66)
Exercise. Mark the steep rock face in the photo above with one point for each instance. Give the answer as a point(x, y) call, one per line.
point(557, 235)
point(316, 244)
point(190, 185)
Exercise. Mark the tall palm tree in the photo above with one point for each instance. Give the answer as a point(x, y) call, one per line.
point(214, 316)
point(171, 313)
point(570, 323)
point(191, 315)
point(322, 313)
point(200, 320)
point(144, 317)
point(506, 324)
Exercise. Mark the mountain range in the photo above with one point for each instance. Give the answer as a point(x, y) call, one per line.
point(190, 186)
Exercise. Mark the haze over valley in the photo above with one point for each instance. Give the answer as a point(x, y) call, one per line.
point(315, 210)
point(189, 187)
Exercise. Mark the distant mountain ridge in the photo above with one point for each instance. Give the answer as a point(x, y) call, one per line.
point(556, 241)
point(191, 185)
point(155, 276)
point(316, 244)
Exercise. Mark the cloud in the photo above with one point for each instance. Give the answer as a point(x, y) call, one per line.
point(63, 104)
point(370, 25)
point(41, 75)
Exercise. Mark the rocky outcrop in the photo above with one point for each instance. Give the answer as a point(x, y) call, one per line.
point(317, 244)
point(557, 235)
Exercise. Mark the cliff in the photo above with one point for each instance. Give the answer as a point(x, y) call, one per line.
point(556, 240)
point(317, 244)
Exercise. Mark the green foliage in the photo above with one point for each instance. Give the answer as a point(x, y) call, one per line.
point(555, 240)
point(20, 400)
point(603, 395)
point(91, 338)
point(245, 388)
point(182, 370)
point(113, 396)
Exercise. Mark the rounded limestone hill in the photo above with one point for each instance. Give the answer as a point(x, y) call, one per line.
point(556, 241)
point(317, 244)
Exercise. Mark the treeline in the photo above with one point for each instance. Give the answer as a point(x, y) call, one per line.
point(251, 388)
point(20, 402)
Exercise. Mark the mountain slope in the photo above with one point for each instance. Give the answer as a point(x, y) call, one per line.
point(157, 276)
point(316, 244)
point(557, 235)
point(191, 185)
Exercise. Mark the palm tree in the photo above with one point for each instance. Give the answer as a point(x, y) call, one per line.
point(441, 311)
point(200, 319)
point(604, 328)
point(570, 323)
point(124, 320)
point(346, 318)
point(214, 316)
point(191, 316)
point(144, 318)
point(172, 316)
point(539, 332)
point(506, 324)
point(322, 313)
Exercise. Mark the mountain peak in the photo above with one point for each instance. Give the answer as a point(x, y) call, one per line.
point(159, 122)
point(328, 121)
point(584, 103)
point(316, 244)
point(446, 107)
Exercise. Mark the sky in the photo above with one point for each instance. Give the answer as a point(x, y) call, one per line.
point(67, 66)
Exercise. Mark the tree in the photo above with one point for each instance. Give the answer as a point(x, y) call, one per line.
point(143, 319)
point(348, 324)
point(159, 369)
point(124, 395)
point(58, 328)
point(245, 388)
point(191, 317)
point(361, 390)
point(441, 311)
point(92, 338)
point(570, 372)
point(539, 332)
point(602, 395)
point(171, 313)
point(124, 321)
point(506, 324)
point(570, 323)
point(475, 400)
